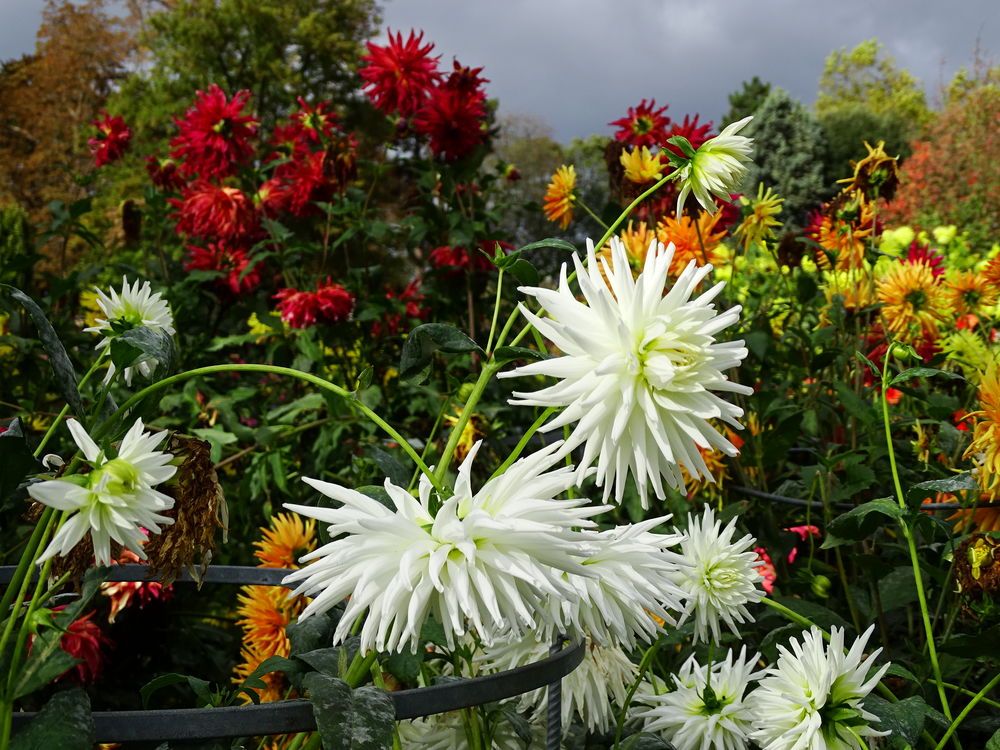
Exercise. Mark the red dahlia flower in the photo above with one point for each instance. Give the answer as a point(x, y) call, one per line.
point(453, 120)
point(934, 259)
point(231, 261)
point(138, 593)
point(455, 259)
point(330, 303)
point(412, 299)
point(165, 174)
point(111, 140)
point(84, 640)
point(399, 75)
point(215, 212)
point(690, 129)
point(311, 127)
point(214, 135)
point(644, 126)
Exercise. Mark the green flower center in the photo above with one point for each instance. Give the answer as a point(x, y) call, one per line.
point(119, 476)
point(642, 125)
point(916, 297)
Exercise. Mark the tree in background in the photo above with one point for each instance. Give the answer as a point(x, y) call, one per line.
point(862, 97)
point(788, 155)
point(277, 49)
point(49, 98)
point(952, 176)
point(746, 101)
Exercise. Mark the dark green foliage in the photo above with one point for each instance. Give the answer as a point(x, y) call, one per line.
point(789, 147)
point(847, 128)
point(746, 101)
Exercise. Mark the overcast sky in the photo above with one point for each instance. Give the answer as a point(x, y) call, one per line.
point(578, 64)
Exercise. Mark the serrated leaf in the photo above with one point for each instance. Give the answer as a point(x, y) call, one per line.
point(62, 367)
point(361, 719)
point(423, 342)
point(923, 372)
point(65, 722)
point(550, 242)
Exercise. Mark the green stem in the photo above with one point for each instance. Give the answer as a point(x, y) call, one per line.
point(496, 312)
point(488, 371)
point(794, 616)
point(911, 544)
point(965, 711)
point(966, 691)
point(647, 658)
point(592, 215)
point(307, 377)
point(27, 558)
point(543, 417)
point(359, 668)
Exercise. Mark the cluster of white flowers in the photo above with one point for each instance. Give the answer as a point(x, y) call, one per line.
point(811, 699)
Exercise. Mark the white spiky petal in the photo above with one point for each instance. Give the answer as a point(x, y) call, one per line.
point(638, 371)
point(116, 500)
point(134, 307)
point(722, 576)
point(686, 720)
point(801, 702)
point(593, 691)
point(486, 560)
point(717, 168)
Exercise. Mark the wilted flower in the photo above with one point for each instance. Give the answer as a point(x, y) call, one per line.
point(722, 576)
point(116, 500)
point(643, 126)
point(707, 707)
point(716, 168)
point(111, 140)
point(559, 196)
point(813, 697)
point(876, 175)
point(638, 370)
point(135, 307)
point(485, 560)
point(214, 137)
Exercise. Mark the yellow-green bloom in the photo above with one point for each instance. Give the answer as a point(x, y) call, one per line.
point(716, 168)
point(757, 226)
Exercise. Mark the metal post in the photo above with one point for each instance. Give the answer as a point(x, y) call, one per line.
point(554, 708)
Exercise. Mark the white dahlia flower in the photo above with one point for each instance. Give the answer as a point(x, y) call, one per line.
point(812, 698)
point(486, 560)
point(721, 576)
point(593, 691)
point(717, 167)
point(135, 307)
point(630, 591)
point(116, 500)
point(638, 371)
point(707, 707)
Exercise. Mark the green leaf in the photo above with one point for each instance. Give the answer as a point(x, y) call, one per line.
point(904, 718)
point(313, 632)
point(856, 406)
point(16, 459)
point(390, 466)
point(550, 242)
point(758, 342)
point(424, 341)
point(143, 344)
point(897, 589)
point(200, 687)
point(825, 618)
point(364, 379)
point(871, 365)
point(405, 666)
point(524, 272)
point(923, 372)
point(683, 144)
point(65, 722)
point(62, 367)
point(953, 484)
point(291, 668)
point(361, 719)
point(993, 743)
point(326, 661)
point(510, 353)
point(645, 741)
point(861, 522)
